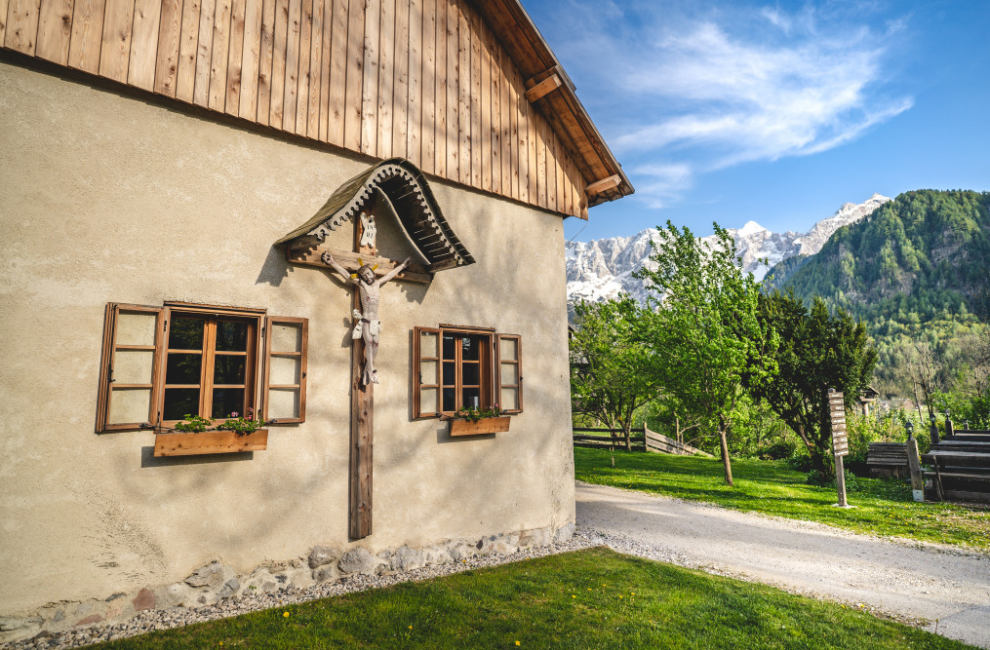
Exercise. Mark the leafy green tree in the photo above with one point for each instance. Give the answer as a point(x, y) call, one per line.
point(703, 328)
point(612, 373)
point(818, 351)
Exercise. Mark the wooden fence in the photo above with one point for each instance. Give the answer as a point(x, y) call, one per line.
point(642, 440)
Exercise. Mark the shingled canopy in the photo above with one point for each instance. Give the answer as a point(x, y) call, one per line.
point(407, 194)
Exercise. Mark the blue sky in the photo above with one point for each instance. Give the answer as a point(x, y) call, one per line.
point(777, 112)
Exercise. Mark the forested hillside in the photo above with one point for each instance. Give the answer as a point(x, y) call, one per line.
point(917, 272)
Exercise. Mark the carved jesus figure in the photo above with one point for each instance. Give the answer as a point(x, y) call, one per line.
point(367, 326)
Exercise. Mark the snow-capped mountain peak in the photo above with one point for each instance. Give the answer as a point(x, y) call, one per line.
point(601, 269)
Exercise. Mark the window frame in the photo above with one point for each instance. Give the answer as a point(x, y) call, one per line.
point(490, 387)
point(257, 361)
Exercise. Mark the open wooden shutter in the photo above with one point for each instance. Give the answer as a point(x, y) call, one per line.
point(129, 371)
point(285, 369)
point(426, 372)
point(509, 373)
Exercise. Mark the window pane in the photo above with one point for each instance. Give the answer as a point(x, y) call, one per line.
point(228, 369)
point(129, 405)
point(183, 369)
point(428, 372)
point(508, 376)
point(471, 374)
point(509, 349)
point(470, 348)
point(428, 400)
point(448, 399)
point(283, 403)
point(286, 337)
point(510, 399)
point(285, 370)
point(232, 336)
point(179, 402)
point(472, 397)
point(428, 344)
point(227, 401)
point(449, 349)
point(136, 328)
point(133, 366)
point(185, 333)
point(449, 373)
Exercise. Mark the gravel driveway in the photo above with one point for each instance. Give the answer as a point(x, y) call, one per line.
point(909, 581)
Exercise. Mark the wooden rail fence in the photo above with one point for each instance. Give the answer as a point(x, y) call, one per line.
point(642, 440)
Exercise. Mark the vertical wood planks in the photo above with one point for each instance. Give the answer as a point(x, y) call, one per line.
point(204, 54)
point(463, 94)
point(115, 50)
point(302, 73)
point(541, 161)
point(169, 37)
point(338, 73)
point(251, 61)
point(87, 32)
point(235, 53)
point(523, 140)
point(218, 65)
point(290, 88)
point(400, 84)
point(185, 79)
point(54, 30)
point(315, 72)
point(505, 121)
point(415, 106)
point(440, 124)
point(355, 76)
point(22, 25)
point(276, 104)
point(475, 78)
point(144, 44)
point(369, 94)
point(4, 6)
point(513, 81)
point(453, 44)
point(325, 70)
point(386, 72)
point(428, 102)
point(486, 138)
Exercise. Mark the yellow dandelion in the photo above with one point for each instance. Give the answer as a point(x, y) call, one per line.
point(517, 643)
point(620, 597)
point(410, 627)
point(573, 595)
point(285, 615)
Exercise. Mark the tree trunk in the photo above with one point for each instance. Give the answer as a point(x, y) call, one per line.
point(724, 445)
point(917, 402)
point(626, 426)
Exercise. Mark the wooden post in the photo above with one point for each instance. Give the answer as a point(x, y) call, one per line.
point(949, 430)
point(840, 481)
point(914, 463)
point(362, 422)
point(840, 443)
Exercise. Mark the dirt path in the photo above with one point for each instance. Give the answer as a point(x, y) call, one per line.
point(908, 581)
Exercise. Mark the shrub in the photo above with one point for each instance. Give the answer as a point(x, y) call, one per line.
point(779, 450)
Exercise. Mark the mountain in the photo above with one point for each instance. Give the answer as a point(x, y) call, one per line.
point(924, 255)
point(603, 268)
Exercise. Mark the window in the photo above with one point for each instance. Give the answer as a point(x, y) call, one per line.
point(459, 368)
point(161, 363)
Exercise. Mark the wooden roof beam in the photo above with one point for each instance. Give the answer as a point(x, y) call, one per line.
point(545, 87)
point(603, 184)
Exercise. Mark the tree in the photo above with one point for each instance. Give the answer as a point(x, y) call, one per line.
point(702, 326)
point(612, 373)
point(818, 351)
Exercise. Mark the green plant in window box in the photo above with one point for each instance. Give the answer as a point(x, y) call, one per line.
point(193, 424)
point(472, 414)
point(241, 425)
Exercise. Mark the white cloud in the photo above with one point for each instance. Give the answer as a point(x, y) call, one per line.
point(753, 85)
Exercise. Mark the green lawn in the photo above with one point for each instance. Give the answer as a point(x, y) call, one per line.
point(589, 599)
point(883, 506)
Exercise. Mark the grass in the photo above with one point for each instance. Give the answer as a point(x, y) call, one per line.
point(884, 507)
point(588, 599)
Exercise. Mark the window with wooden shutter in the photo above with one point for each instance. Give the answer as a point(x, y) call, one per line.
point(426, 372)
point(285, 369)
point(509, 373)
point(128, 395)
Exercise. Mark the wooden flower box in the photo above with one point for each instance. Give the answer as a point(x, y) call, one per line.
point(460, 427)
point(209, 442)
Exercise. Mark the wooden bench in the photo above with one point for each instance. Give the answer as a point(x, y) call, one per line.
point(887, 459)
point(960, 471)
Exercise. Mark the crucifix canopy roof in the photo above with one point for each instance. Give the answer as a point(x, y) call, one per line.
point(408, 195)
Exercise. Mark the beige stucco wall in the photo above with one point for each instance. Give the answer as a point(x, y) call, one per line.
point(105, 197)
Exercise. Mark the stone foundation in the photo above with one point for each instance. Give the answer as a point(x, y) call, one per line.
point(216, 582)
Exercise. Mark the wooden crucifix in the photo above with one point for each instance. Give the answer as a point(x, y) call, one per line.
point(364, 376)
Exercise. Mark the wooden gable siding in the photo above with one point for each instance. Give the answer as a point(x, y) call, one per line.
point(426, 80)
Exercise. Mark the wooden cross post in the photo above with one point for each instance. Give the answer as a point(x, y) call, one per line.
point(362, 417)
